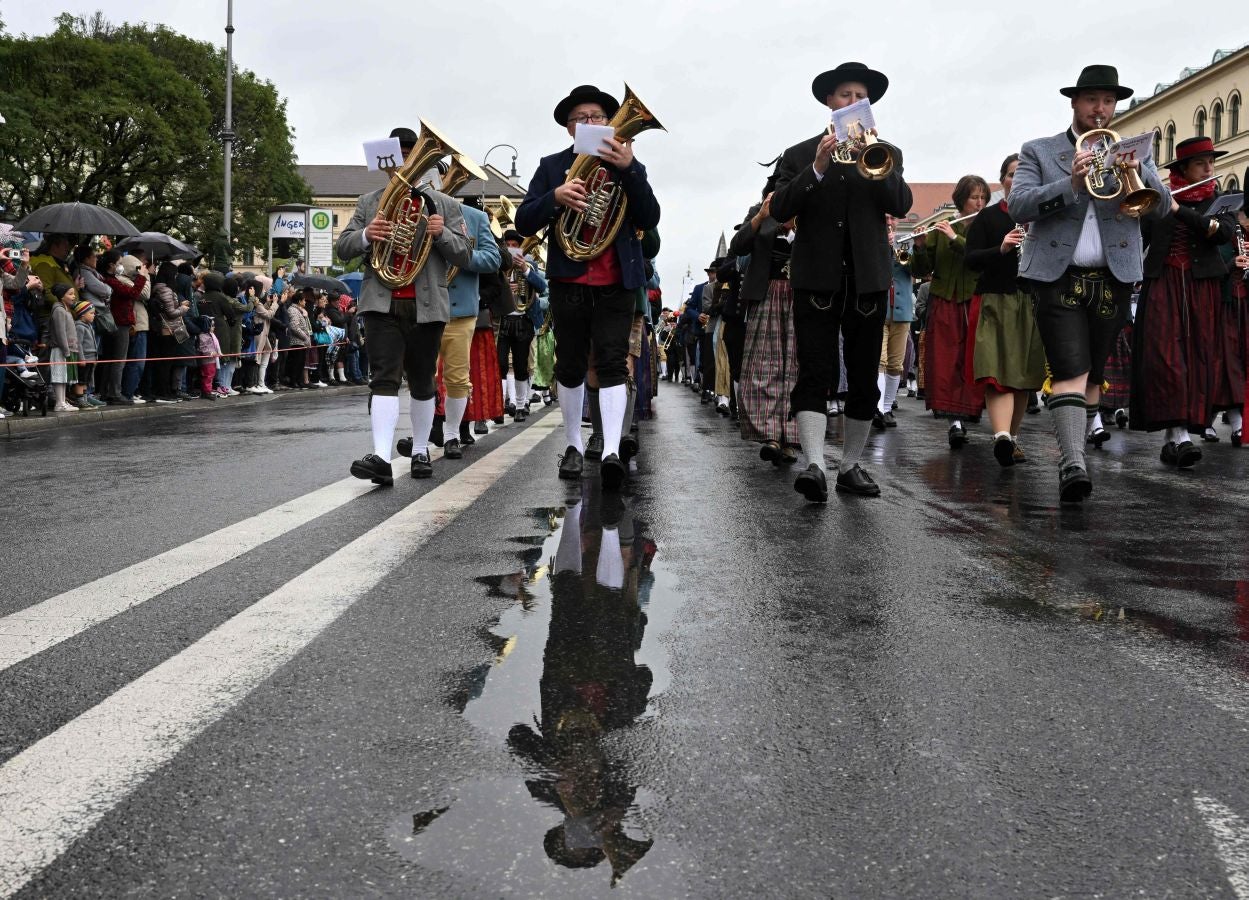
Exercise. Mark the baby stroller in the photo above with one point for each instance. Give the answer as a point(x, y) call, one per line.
point(25, 387)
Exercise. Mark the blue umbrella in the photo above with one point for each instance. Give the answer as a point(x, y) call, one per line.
point(352, 280)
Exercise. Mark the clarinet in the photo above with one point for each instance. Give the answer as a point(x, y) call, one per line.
point(1241, 249)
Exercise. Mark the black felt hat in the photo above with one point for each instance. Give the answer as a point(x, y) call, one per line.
point(407, 137)
point(512, 235)
point(1098, 78)
point(586, 93)
point(826, 82)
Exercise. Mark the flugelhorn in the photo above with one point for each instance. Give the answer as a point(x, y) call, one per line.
point(397, 260)
point(606, 204)
point(1137, 198)
point(873, 158)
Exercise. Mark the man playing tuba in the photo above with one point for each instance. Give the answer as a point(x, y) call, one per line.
point(592, 301)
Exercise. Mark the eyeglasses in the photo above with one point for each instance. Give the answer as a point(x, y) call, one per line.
point(586, 119)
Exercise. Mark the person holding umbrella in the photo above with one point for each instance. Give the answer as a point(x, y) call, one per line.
point(51, 264)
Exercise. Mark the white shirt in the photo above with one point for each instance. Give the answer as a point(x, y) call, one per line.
point(1089, 252)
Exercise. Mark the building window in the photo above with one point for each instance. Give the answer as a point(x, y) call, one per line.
point(1200, 122)
point(249, 257)
point(335, 223)
point(1170, 141)
point(1216, 121)
point(1157, 145)
point(1233, 108)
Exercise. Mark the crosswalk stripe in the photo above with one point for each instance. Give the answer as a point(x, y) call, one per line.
point(30, 631)
point(53, 792)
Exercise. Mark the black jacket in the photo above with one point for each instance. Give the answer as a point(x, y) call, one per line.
point(758, 246)
point(999, 272)
point(1202, 248)
point(843, 201)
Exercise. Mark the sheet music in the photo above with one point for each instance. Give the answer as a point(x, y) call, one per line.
point(853, 120)
point(1140, 147)
point(589, 138)
point(1228, 203)
point(383, 154)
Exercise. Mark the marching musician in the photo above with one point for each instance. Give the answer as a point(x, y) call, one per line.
point(518, 327)
point(897, 332)
point(1179, 362)
point(591, 301)
point(840, 275)
point(1081, 257)
point(403, 327)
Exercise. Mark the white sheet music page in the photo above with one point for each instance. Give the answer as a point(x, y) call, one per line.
point(853, 120)
point(1140, 147)
point(589, 138)
point(383, 154)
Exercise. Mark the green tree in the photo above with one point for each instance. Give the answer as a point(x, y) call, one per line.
point(131, 117)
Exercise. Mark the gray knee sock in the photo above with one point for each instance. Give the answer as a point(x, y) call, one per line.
point(1067, 412)
point(854, 436)
point(811, 434)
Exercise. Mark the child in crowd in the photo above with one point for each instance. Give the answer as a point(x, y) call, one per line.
point(208, 347)
point(88, 353)
point(63, 339)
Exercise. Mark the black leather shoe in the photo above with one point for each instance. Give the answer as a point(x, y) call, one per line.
point(628, 447)
point(373, 468)
point(787, 458)
point(509, 408)
point(1004, 451)
point(722, 409)
point(1121, 418)
point(612, 471)
point(572, 463)
point(452, 449)
point(421, 466)
point(466, 435)
point(856, 481)
point(1237, 438)
point(1210, 436)
point(521, 414)
point(812, 484)
point(878, 421)
point(1187, 455)
point(1098, 436)
point(435, 432)
point(481, 428)
point(1034, 406)
point(1074, 484)
point(498, 420)
point(770, 451)
point(404, 446)
point(957, 436)
point(1168, 454)
point(704, 398)
point(891, 421)
point(594, 447)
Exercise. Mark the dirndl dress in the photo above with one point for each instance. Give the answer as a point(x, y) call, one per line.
point(770, 368)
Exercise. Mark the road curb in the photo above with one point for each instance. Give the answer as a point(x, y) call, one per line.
point(14, 426)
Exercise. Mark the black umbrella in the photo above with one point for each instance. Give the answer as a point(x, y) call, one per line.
point(159, 246)
point(321, 283)
point(76, 218)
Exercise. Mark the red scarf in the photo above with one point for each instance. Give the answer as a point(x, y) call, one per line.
point(1196, 195)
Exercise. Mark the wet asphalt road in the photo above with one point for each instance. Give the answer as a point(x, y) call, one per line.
point(706, 688)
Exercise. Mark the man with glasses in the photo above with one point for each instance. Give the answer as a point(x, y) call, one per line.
point(591, 302)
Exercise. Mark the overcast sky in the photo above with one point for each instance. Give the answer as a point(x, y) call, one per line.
point(729, 80)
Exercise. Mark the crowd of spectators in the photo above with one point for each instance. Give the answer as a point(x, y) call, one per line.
point(98, 327)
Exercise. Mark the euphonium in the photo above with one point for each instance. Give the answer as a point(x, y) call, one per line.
point(606, 204)
point(1137, 198)
point(522, 290)
point(461, 171)
point(507, 212)
point(399, 259)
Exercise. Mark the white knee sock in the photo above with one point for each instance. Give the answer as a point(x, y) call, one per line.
point(570, 402)
point(511, 387)
point(811, 433)
point(421, 412)
point(854, 436)
point(957, 423)
point(1095, 423)
point(890, 392)
point(522, 393)
point(384, 414)
point(612, 402)
point(1235, 419)
point(455, 407)
point(260, 375)
point(880, 389)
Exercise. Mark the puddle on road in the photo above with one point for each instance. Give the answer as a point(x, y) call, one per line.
point(574, 663)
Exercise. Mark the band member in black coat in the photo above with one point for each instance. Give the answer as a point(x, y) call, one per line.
point(840, 272)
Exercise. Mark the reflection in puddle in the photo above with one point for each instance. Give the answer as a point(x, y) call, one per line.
point(574, 661)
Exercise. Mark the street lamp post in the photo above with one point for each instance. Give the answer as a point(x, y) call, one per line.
point(227, 135)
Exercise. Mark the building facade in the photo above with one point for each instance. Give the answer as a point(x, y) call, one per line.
point(1207, 101)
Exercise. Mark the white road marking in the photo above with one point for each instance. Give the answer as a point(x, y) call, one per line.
point(56, 790)
point(1231, 838)
point(30, 631)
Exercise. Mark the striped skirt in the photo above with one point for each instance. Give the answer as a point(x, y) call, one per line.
point(486, 400)
point(770, 368)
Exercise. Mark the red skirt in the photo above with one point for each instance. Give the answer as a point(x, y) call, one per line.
point(1232, 342)
point(1175, 352)
point(486, 401)
point(950, 390)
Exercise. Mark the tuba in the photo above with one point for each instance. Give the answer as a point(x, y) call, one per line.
point(1137, 198)
point(461, 171)
point(399, 259)
point(606, 204)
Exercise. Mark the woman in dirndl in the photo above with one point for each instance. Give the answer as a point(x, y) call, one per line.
point(1232, 336)
point(1175, 358)
point(485, 401)
point(949, 390)
point(1004, 352)
point(770, 358)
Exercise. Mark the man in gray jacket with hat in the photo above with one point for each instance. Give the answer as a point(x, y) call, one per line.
point(1081, 257)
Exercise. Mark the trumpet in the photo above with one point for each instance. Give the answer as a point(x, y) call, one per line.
point(1137, 198)
point(873, 158)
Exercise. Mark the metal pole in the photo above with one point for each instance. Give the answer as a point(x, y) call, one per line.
point(227, 136)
